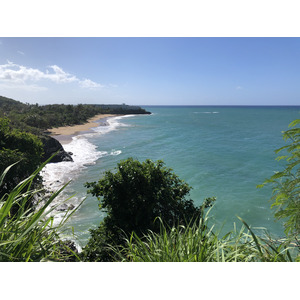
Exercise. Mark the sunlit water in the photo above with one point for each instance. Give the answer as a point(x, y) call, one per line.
point(219, 151)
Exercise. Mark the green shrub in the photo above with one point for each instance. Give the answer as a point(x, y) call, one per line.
point(17, 145)
point(133, 196)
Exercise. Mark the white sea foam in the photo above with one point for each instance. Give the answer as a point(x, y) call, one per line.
point(115, 153)
point(111, 124)
point(56, 175)
point(84, 153)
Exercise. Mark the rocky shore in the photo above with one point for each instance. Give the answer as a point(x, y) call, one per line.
point(52, 146)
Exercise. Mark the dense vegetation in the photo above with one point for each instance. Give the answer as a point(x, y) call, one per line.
point(198, 242)
point(29, 234)
point(22, 132)
point(17, 145)
point(36, 118)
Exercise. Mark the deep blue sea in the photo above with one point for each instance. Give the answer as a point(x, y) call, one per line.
point(220, 151)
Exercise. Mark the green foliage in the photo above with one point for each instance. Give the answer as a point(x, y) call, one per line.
point(270, 250)
point(286, 191)
point(29, 235)
point(98, 247)
point(35, 119)
point(17, 145)
point(133, 197)
point(196, 242)
point(139, 192)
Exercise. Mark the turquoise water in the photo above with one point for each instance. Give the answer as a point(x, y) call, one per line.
point(219, 151)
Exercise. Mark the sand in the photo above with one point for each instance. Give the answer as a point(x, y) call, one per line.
point(71, 130)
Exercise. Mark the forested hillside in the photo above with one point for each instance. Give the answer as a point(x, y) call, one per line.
point(23, 135)
point(36, 118)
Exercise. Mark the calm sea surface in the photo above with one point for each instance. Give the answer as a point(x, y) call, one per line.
point(219, 151)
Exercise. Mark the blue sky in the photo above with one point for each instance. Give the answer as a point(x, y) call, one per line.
point(151, 71)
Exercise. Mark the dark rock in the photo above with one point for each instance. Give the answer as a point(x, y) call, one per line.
point(51, 146)
point(65, 207)
point(62, 207)
point(71, 206)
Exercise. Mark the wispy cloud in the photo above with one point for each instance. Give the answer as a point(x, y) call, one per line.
point(24, 76)
point(87, 83)
point(22, 86)
point(239, 87)
point(20, 52)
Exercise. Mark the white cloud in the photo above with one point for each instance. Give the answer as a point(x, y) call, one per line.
point(87, 83)
point(59, 75)
point(17, 74)
point(239, 87)
point(20, 52)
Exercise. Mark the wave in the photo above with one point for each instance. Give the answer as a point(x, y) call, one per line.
point(115, 153)
point(84, 153)
point(55, 175)
point(108, 125)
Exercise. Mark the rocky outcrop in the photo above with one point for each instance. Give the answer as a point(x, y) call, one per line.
point(65, 207)
point(51, 146)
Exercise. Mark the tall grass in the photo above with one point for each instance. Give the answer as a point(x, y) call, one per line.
point(198, 243)
point(29, 234)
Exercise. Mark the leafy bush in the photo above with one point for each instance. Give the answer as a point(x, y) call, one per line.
point(286, 191)
point(133, 197)
point(17, 145)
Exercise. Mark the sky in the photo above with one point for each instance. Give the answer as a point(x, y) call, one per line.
point(151, 71)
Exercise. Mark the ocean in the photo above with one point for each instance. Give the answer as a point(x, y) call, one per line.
point(220, 151)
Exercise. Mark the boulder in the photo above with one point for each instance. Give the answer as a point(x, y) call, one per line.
point(65, 207)
point(51, 146)
point(71, 206)
point(62, 207)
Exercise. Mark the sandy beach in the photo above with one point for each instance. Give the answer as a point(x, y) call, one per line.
point(72, 130)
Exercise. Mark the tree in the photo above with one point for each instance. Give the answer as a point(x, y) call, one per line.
point(286, 191)
point(16, 145)
point(133, 197)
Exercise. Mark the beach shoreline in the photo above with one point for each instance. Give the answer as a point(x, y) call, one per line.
point(64, 134)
